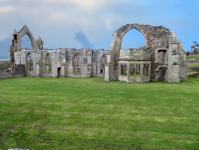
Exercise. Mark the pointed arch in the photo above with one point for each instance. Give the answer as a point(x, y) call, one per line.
point(77, 65)
point(133, 39)
point(48, 63)
point(103, 61)
point(29, 62)
point(24, 30)
point(130, 28)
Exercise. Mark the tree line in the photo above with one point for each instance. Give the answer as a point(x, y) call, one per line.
point(194, 49)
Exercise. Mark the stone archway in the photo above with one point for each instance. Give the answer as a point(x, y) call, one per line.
point(162, 74)
point(155, 37)
point(102, 64)
point(24, 30)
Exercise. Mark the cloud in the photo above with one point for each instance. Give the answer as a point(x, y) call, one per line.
point(109, 24)
point(4, 47)
point(80, 36)
point(57, 20)
point(6, 9)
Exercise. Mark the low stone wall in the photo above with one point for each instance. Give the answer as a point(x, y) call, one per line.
point(192, 61)
point(5, 73)
point(18, 71)
point(194, 68)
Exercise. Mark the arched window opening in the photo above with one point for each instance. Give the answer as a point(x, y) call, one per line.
point(132, 68)
point(133, 39)
point(26, 42)
point(103, 62)
point(137, 71)
point(29, 62)
point(161, 56)
point(77, 65)
point(48, 63)
point(162, 74)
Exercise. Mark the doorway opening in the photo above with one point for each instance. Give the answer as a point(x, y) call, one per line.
point(59, 72)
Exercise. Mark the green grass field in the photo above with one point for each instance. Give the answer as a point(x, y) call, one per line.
point(193, 57)
point(90, 113)
point(192, 64)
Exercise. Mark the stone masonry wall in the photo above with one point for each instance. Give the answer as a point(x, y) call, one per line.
point(192, 61)
point(18, 71)
point(5, 73)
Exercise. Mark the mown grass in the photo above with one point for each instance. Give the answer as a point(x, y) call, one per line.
point(192, 64)
point(90, 113)
point(192, 57)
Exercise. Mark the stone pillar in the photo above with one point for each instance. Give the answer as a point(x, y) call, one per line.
point(135, 70)
point(141, 73)
point(128, 72)
point(119, 70)
point(145, 70)
point(37, 70)
point(149, 71)
point(107, 68)
point(107, 74)
point(124, 69)
point(62, 71)
point(89, 66)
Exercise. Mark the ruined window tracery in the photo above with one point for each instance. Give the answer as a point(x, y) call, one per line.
point(77, 65)
point(103, 61)
point(48, 63)
point(29, 62)
point(161, 56)
point(26, 42)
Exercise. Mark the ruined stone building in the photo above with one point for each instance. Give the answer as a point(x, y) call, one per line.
point(39, 62)
point(161, 58)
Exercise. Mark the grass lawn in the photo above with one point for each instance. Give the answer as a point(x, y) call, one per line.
point(90, 113)
point(192, 64)
point(192, 57)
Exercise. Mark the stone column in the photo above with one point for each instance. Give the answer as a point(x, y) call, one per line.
point(134, 70)
point(145, 70)
point(107, 68)
point(124, 69)
point(141, 73)
point(119, 70)
point(149, 71)
point(107, 74)
point(128, 72)
point(89, 66)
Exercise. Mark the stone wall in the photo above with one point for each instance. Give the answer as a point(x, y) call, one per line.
point(18, 71)
point(159, 41)
point(194, 68)
point(192, 61)
point(61, 62)
point(167, 55)
point(5, 73)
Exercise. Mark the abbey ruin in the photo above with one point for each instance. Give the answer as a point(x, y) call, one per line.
point(161, 58)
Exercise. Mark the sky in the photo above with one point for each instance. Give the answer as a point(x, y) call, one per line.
point(91, 23)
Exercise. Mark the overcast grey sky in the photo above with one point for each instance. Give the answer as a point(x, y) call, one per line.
point(91, 23)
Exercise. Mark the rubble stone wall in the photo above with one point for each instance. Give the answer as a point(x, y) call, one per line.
point(194, 68)
point(192, 61)
point(89, 62)
point(157, 39)
point(168, 59)
point(5, 73)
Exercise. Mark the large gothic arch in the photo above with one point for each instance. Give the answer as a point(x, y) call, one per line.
point(125, 30)
point(155, 37)
point(24, 30)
